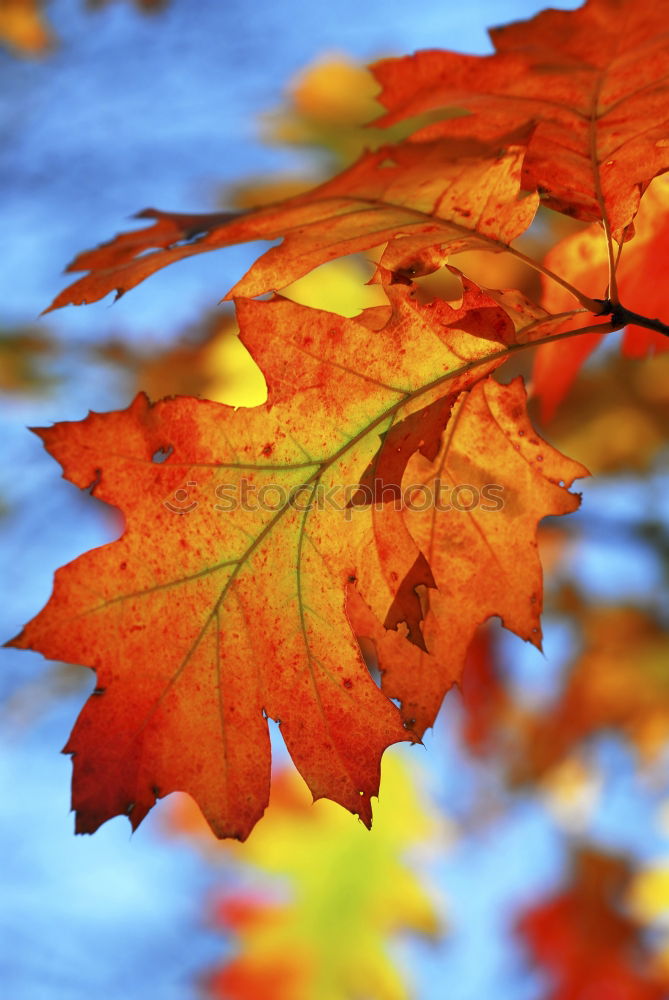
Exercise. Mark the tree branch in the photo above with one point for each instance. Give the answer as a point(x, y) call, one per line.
point(621, 316)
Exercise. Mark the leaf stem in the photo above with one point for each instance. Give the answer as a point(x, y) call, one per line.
point(612, 292)
point(613, 285)
point(592, 305)
point(609, 327)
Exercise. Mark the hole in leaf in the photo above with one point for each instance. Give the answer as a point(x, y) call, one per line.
point(162, 454)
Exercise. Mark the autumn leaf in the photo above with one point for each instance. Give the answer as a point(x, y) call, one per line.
point(495, 479)
point(384, 502)
point(456, 193)
point(640, 276)
point(592, 147)
point(233, 607)
point(585, 941)
point(349, 893)
point(593, 79)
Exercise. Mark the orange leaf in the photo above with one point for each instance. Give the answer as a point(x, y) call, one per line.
point(223, 602)
point(496, 479)
point(456, 193)
point(595, 81)
point(278, 977)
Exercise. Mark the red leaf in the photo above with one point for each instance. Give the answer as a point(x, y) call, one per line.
point(595, 81)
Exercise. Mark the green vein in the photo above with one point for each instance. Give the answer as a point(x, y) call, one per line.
point(352, 371)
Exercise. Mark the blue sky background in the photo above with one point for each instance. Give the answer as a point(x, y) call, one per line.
point(132, 111)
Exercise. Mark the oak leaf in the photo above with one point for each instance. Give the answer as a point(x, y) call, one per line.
point(456, 193)
point(497, 478)
point(595, 80)
point(211, 611)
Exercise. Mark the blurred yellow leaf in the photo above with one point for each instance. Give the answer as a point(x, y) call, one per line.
point(649, 900)
point(349, 890)
point(328, 104)
point(337, 287)
point(334, 89)
point(649, 893)
point(209, 361)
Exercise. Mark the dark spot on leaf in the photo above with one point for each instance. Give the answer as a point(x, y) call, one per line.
point(402, 276)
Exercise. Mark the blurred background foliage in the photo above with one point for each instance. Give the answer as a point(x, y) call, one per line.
point(526, 853)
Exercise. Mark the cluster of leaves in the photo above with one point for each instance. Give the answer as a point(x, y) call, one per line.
point(202, 621)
